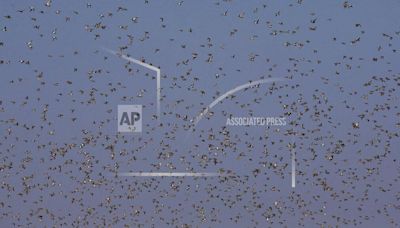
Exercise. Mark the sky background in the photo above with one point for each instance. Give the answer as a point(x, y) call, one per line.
point(60, 151)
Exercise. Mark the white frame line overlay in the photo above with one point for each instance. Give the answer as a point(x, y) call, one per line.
point(171, 174)
point(148, 66)
point(241, 87)
point(196, 121)
point(293, 155)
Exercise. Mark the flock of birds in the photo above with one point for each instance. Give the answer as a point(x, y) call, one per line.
point(61, 154)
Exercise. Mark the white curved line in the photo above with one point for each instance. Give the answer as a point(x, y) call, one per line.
point(232, 91)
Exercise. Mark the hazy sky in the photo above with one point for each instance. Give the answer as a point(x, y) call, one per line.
point(60, 88)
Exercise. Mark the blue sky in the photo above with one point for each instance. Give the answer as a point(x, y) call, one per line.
point(60, 150)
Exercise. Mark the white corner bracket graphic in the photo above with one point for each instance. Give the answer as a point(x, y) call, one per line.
point(148, 66)
point(236, 89)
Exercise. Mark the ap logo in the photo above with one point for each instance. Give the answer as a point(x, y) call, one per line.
point(129, 118)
